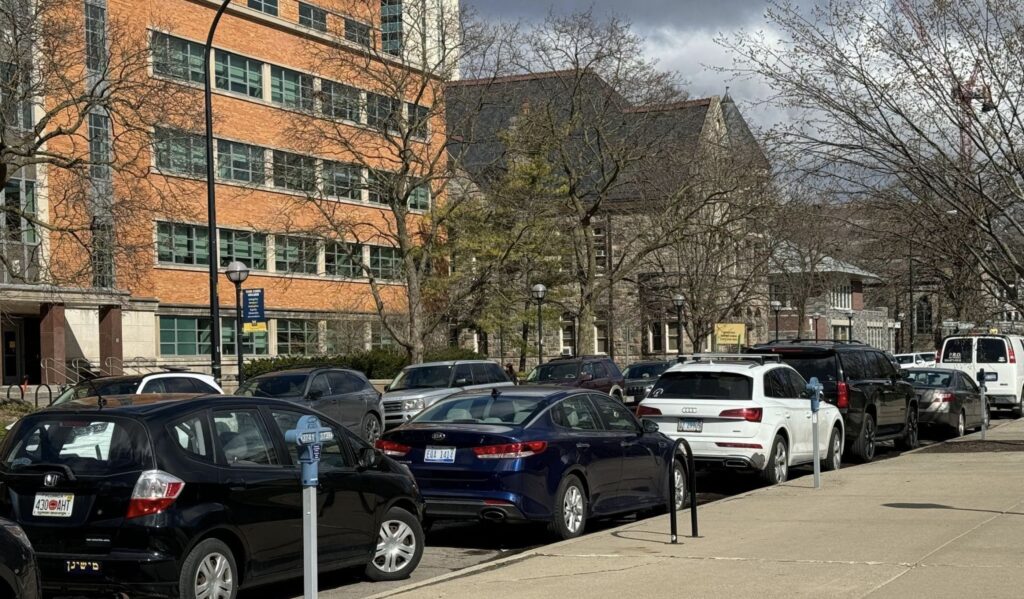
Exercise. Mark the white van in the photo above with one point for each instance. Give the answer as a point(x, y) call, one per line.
point(999, 354)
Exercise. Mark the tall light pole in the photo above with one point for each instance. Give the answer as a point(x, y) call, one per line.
point(678, 300)
point(237, 272)
point(538, 291)
point(776, 307)
point(849, 332)
point(211, 199)
point(815, 318)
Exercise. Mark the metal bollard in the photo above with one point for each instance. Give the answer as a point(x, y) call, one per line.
point(691, 478)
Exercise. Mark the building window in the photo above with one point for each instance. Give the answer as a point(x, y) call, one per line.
point(291, 89)
point(601, 338)
point(253, 344)
point(419, 118)
point(923, 317)
point(378, 184)
point(179, 152)
point(297, 337)
point(312, 17)
point(391, 26)
point(380, 338)
point(177, 58)
point(657, 337)
point(383, 112)
point(99, 146)
point(419, 198)
point(357, 32)
point(342, 181)
point(182, 244)
point(294, 172)
point(239, 74)
point(601, 248)
point(184, 336)
point(344, 260)
point(385, 263)
point(17, 208)
point(267, 6)
point(240, 162)
point(243, 246)
point(15, 98)
point(842, 297)
point(673, 337)
point(340, 101)
point(296, 254)
point(568, 325)
point(95, 37)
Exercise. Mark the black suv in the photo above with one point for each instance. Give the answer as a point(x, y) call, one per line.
point(176, 498)
point(641, 376)
point(586, 372)
point(865, 383)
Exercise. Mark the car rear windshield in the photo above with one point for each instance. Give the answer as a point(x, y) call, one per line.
point(86, 445)
point(644, 371)
point(554, 371)
point(823, 367)
point(423, 377)
point(991, 351)
point(278, 385)
point(905, 359)
point(926, 378)
point(958, 351)
point(704, 385)
point(482, 409)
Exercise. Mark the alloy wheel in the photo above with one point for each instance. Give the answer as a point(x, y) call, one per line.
point(837, 451)
point(680, 481)
point(572, 509)
point(869, 438)
point(396, 546)
point(912, 433)
point(961, 425)
point(372, 432)
point(781, 467)
point(214, 578)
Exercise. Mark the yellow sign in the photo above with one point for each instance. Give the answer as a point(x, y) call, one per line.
point(254, 327)
point(730, 333)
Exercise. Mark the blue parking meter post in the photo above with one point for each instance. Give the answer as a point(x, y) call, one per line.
point(309, 436)
point(814, 388)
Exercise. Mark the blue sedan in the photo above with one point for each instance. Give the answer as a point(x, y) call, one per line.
point(541, 454)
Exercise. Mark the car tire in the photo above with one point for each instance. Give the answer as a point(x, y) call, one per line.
point(569, 516)
point(371, 428)
point(834, 457)
point(961, 426)
point(209, 563)
point(912, 432)
point(864, 447)
point(776, 470)
point(400, 542)
point(1016, 412)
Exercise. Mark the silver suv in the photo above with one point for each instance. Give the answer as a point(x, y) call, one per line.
point(421, 385)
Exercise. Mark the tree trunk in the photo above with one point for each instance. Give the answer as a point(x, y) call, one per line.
point(525, 344)
point(587, 339)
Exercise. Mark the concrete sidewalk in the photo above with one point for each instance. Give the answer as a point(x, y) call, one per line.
point(932, 523)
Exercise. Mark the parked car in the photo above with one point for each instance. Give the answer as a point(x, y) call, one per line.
point(544, 454)
point(867, 386)
point(744, 412)
point(915, 360)
point(639, 378)
point(19, 575)
point(596, 373)
point(173, 381)
point(948, 399)
point(346, 396)
point(421, 385)
point(997, 355)
point(169, 498)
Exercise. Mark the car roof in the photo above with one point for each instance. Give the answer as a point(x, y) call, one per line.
point(552, 392)
point(450, 363)
point(149, 404)
point(810, 345)
point(304, 370)
point(744, 368)
point(645, 362)
point(930, 369)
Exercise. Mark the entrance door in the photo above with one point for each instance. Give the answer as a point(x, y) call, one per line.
point(12, 336)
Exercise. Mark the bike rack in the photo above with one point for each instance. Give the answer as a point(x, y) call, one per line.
point(691, 479)
point(49, 394)
point(21, 393)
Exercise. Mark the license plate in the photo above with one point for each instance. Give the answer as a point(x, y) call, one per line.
point(440, 455)
point(82, 567)
point(690, 425)
point(53, 505)
point(630, 399)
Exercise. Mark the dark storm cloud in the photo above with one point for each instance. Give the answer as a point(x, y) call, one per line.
point(680, 14)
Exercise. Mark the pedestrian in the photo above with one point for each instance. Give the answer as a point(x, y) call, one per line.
point(511, 372)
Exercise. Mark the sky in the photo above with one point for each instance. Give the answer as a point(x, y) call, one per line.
point(680, 35)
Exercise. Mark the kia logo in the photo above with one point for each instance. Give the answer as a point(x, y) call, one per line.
point(438, 436)
point(50, 479)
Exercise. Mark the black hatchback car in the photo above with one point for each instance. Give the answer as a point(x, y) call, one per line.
point(865, 383)
point(19, 576)
point(177, 498)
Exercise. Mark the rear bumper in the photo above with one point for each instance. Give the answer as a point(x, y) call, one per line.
point(937, 414)
point(137, 574)
point(473, 509)
point(1002, 402)
point(719, 452)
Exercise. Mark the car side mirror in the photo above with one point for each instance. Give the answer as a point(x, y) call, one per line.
point(314, 394)
point(387, 387)
point(367, 458)
point(587, 377)
point(650, 426)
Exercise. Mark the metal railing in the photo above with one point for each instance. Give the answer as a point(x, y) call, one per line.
point(691, 483)
point(54, 370)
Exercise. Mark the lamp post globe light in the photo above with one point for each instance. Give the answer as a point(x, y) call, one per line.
point(678, 300)
point(815, 318)
point(776, 307)
point(237, 272)
point(538, 292)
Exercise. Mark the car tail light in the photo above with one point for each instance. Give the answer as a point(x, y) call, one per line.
point(842, 395)
point(938, 357)
point(740, 445)
point(748, 414)
point(510, 450)
point(391, 448)
point(942, 397)
point(1013, 356)
point(154, 492)
point(643, 410)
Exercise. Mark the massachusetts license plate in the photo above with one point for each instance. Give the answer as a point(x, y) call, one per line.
point(440, 455)
point(690, 425)
point(82, 567)
point(53, 505)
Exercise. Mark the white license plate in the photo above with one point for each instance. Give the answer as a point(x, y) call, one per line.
point(630, 399)
point(53, 505)
point(439, 455)
point(690, 425)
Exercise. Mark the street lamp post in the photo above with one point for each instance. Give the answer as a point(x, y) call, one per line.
point(776, 307)
point(538, 291)
point(211, 198)
point(237, 272)
point(815, 318)
point(849, 328)
point(678, 301)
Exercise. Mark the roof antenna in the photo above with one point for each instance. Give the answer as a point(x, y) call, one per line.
point(100, 402)
point(495, 393)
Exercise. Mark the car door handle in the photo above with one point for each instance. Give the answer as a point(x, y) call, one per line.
point(237, 484)
point(626, 443)
point(583, 446)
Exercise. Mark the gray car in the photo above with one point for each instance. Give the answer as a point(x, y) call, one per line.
point(421, 385)
point(344, 395)
point(948, 399)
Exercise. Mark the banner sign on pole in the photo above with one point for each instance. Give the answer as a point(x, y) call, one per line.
point(252, 306)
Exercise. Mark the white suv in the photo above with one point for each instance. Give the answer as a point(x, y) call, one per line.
point(173, 381)
point(744, 412)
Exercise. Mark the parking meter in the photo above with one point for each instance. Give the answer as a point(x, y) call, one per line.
point(815, 389)
point(982, 378)
point(309, 436)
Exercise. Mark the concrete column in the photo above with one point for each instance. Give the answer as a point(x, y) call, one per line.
point(111, 347)
point(52, 348)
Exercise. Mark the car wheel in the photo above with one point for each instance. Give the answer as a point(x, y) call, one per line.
point(777, 469)
point(1016, 413)
point(399, 547)
point(961, 425)
point(682, 496)
point(864, 446)
point(570, 514)
point(911, 434)
point(834, 458)
point(209, 572)
point(371, 428)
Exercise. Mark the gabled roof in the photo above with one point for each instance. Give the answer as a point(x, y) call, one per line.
point(787, 262)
